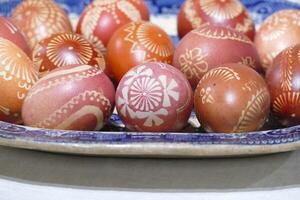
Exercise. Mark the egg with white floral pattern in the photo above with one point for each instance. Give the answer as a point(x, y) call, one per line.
point(154, 97)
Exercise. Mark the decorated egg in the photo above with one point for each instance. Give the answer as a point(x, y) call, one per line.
point(211, 46)
point(137, 43)
point(39, 19)
point(283, 79)
point(70, 98)
point(10, 32)
point(17, 75)
point(102, 18)
point(232, 98)
point(279, 31)
point(228, 13)
point(154, 97)
point(64, 49)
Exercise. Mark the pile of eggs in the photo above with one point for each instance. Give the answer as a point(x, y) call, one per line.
point(231, 75)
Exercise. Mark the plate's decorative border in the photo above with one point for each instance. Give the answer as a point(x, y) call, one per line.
point(272, 137)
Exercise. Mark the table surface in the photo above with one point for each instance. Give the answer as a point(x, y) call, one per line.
point(278, 170)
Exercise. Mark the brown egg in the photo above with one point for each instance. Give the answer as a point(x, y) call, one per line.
point(70, 98)
point(16, 78)
point(232, 98)
point(102, 18)
point(137, 43)
point(278, 31)
point(211, 46)
point(39, 19)
point(228, 13)
point(154, 97)
point(10, 32)
point(64, 49)
point(283, 79)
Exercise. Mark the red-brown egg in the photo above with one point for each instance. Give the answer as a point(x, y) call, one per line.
point(39, 19)
point(211, 46)
point(283, 79)
point(137, 43)
point(154, 97)
point(64, 49)
point(279, 31)
point(102, 18)
point(70, 98)
point(10, 32)
point(232, 98)
point(17, 75)
point(228, 13)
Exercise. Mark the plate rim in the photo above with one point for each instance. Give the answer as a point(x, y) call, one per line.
point(151, 148)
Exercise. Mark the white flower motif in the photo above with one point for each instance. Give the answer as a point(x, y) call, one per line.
point(124, 104)
point(152, 117)
point(146, 97)
point(169, 90)
point(145, 94)
point(133, 74)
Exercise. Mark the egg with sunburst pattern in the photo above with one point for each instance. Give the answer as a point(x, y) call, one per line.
point(39, 19)
point(228, 13)
point(66, 49)
point(283, 79)
point(17, 76)
point(137, 43)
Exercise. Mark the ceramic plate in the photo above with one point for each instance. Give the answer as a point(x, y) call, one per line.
point(120, 143)
point(189, 143)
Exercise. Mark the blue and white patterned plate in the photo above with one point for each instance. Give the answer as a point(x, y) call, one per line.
point(189, 143)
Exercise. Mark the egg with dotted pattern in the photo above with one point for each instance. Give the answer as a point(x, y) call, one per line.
point(64, 49)
point(227, 13)
point(210, 46)
point(283, 79)
point(232, 98)
point(136, 43)
point(39, 19)
point(17, 76)
point(10, 32)
point(102, 18)
point(70, 98)
point(154, 97)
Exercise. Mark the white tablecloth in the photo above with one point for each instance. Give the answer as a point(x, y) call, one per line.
point(18, 190)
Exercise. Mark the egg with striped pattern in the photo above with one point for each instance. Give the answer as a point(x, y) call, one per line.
point(77, 97)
